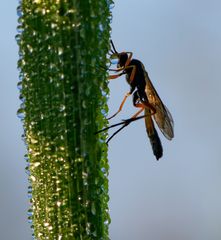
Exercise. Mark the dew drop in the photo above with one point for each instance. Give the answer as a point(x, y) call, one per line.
point(88, 91)
point(22, 98)
point(19, 11)
point(30, 220)
point(104, 112)
point(84, 104)
point(19, 29)
point(87, 121)
point(76, 25)
point(73, 10)
point(42, 116)
point(50, 228)
point(53, 25)
point(84, 174)
point(79, 160)
point(33, 178)
point(62, 108)
point(43, 11)
point(40, 235)
point(61, 76)
point(23, 138)
point(62, 148)
point(93, 208)
point(46, 224)
point(88, 228)
point(30, 48)
point(27, 171)
point(32, 140)
point(94, 234)
point(60, 51)
point(104, 93)
point(101, 27)
point(59, 237)
point(18, 38)
point(30, 213)
point(36, 164)
point(114, 61)
point(112, 5)
point(21, 113)
point(29, 195)
point(106, 222)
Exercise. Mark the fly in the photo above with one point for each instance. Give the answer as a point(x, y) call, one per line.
point(145, 97)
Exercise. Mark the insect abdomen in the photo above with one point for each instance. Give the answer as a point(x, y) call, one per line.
point(153, 136)
point(156, 144)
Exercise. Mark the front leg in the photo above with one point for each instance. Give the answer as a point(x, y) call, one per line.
point(110, 77)
point(121, 105)
point(123, 69)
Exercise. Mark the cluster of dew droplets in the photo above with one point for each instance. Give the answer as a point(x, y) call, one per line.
point(67, 170)
point(21, 110)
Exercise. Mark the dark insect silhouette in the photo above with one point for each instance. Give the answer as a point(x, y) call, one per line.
point(145, 97)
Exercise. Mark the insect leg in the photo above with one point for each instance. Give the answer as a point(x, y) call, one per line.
point(121, 105)
point(110, 77)
point(127, 122)
point(124, 121)
point(137, 113)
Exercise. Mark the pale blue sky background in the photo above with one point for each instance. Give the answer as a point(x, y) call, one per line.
point(177, 198)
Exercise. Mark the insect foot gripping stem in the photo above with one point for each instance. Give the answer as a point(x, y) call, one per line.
point(156, 145)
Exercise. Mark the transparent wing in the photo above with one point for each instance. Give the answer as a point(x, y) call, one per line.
point(162, 116)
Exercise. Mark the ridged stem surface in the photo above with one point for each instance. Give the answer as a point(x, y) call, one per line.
point(63, 91)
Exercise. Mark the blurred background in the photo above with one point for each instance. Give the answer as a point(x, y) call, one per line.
point(176, 198)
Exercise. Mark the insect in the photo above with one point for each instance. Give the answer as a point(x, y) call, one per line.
point(145, 97)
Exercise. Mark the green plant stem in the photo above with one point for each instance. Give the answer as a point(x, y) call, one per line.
point(64, 99)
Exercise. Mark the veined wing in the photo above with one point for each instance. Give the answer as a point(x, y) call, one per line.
point(162, 116)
